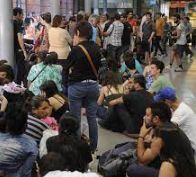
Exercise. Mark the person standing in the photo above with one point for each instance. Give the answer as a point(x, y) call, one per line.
point(159, 27)
point(148, 32)
point(83, 87)
point(20, 53)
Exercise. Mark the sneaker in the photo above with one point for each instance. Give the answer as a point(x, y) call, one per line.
point(178, 69)
point(168, 67)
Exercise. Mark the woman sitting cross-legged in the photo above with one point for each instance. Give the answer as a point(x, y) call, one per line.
point(111, 90)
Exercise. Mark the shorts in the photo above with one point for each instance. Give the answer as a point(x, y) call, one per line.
point(145, 46)
point(180, 49)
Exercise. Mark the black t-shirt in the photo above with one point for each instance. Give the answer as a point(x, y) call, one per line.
point(136, 103)
point(78, 65)
point(126, 37)
point(18, 28)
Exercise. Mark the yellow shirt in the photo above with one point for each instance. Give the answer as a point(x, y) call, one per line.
point(159, 25)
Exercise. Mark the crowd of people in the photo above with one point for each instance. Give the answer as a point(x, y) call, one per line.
point(108, 69)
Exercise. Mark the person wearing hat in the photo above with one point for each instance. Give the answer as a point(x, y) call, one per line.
point(183, 115)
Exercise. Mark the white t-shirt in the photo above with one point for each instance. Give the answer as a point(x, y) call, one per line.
point(182, 39)
point(186, 120)
point(70, 174)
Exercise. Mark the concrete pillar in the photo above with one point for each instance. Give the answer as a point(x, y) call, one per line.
point(75, 6)
point(96, 7)
point(87, 6)
point(6, 32)
point(105, 6)
point(55, 7)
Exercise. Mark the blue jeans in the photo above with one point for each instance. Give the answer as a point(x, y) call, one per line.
point(85, 94)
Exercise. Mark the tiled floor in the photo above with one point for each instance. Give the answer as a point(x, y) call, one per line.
point(185, 83)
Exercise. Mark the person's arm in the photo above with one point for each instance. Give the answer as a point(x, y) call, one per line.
point(4, 103)
point(109, 31)
point(116, 101)
point(68, 37)
point(152, 34)
point(21, 43)
point(167, 170)
point(145, 155)
point(101, 96)
point(26, 168)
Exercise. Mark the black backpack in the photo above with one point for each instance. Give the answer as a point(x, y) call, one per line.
point(114, 162)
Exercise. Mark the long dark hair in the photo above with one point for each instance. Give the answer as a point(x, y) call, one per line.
point(50, 88)
point(177, 147)
point(113, 79)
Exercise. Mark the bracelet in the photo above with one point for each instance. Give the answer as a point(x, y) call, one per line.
point(141, 137)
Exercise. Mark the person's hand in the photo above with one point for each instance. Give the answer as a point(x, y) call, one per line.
point(150, 40)
point(144, 131)
point(25, 55)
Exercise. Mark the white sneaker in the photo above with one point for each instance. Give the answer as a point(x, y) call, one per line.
point(178, 69)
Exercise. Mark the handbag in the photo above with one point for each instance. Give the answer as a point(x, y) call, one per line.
point(89, 60)
point(39, 40)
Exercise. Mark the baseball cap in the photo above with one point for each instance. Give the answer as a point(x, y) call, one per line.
point(165, 93)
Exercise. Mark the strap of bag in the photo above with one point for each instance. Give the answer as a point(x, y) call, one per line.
point(38, 74)
point(89, 60)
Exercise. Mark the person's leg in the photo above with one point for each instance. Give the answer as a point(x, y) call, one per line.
point(141, 171)
point(159, 45)
point(92, 92)
point(21, 69)
point(75, 96)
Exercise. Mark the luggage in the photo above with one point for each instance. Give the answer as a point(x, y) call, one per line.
point(114, 162)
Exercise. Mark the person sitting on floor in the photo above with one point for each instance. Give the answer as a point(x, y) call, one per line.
point(57, 100)
point(135, 102)
point(68, 144)
point(18, 152)
point(183, 115)
point(59, 167)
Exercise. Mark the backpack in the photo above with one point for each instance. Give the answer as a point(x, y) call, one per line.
point(114, 162)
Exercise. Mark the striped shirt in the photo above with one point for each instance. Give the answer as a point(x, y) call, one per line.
point(35, 128)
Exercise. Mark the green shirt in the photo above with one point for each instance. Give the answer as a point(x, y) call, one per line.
point(160, 83)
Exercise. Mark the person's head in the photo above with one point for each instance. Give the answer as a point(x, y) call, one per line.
point(156, 67)
point(112, 79)
point(129, 60)
point(80, 18)
point(93, 20)
point(36, 58)
point(18, 13)
point(139, 82)
point(158, 15)
point(16, 119)
point(49, 88)
point(156, 114)
point(69, 124)
point(123, 18)
point(46, 17)
point(176, 18)
point(45, 165)
point(57, 21)
point(40, 107)
point(6, 74)
point(103, 18)
point(175, 146)
point(148, 16)
point(51, 58)
point(84, 30)
point(130, 15)
point(186, 19)
point(117, 16)
point(168, 95)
